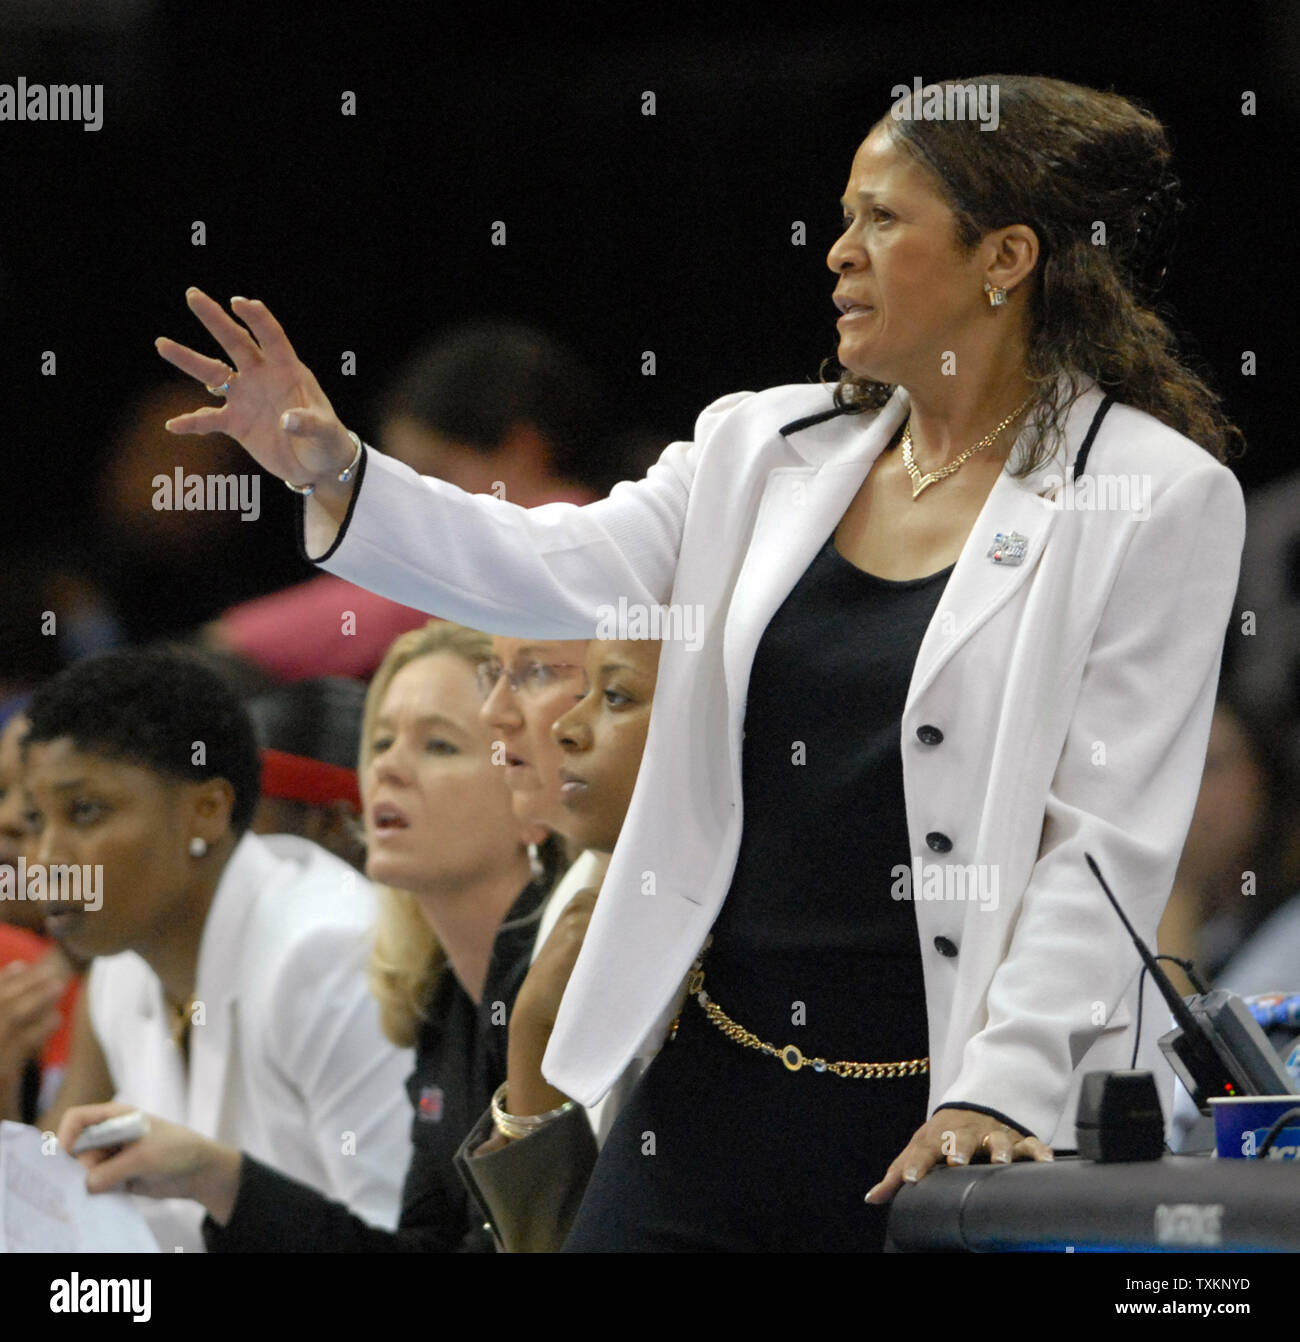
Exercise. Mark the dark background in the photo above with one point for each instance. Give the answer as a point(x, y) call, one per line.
point(625, 232)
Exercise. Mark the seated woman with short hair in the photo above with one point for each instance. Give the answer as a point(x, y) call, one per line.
point(228, 988)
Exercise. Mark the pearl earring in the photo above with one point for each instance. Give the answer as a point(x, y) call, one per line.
point(198, 846)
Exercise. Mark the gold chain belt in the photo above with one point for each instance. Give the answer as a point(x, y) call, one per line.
point(790, 1054)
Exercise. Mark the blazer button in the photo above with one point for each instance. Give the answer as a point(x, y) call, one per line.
point(939, 843)
point(928, 735)
point(945, 947)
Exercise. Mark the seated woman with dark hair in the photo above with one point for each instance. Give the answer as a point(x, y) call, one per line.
point(228, 990)
point(459, 904)
point(528, 1158)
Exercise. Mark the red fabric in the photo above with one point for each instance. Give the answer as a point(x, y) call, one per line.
point(300, 778)
point(299, 633)
point(17, 943)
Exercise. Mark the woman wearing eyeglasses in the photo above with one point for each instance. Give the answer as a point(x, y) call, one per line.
point(960, 620)
point(525, 686)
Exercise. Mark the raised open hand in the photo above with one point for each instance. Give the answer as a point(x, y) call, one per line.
point(274, 407)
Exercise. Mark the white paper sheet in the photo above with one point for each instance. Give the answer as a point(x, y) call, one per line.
point(44, 1206)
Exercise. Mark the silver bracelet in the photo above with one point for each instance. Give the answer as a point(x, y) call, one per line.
point(343, 476)
point(516, 1126)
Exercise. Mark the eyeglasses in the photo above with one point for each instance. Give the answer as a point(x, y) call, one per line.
point(531, 680)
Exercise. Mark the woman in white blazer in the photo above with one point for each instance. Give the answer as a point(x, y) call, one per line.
point(228, 986)
point(1059, 693)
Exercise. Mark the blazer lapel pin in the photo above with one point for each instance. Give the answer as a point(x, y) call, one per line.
point(1008, 547)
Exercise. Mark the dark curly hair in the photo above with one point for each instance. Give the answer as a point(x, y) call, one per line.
point(150, 706)
point(1063, 160)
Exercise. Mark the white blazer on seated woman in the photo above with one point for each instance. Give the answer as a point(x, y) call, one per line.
point(286, 1057)
point(1060, 704)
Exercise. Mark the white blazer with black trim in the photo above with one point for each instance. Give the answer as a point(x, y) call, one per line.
point(1060, 703)
point(288, 1062)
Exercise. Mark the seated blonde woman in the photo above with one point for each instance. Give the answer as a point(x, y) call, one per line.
point(459, 905)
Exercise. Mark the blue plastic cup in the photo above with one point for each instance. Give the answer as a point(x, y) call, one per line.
point(1242, 1122)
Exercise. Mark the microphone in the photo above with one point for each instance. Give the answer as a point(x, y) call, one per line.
point(1216, 1048)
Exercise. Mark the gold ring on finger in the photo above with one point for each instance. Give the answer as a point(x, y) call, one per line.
point(225, 386)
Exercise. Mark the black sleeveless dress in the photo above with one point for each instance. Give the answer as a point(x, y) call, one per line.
point(721, 1146)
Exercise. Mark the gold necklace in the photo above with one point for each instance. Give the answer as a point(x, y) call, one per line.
point(920, 482)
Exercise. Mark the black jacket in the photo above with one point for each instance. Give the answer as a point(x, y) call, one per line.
point(460, 1061)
